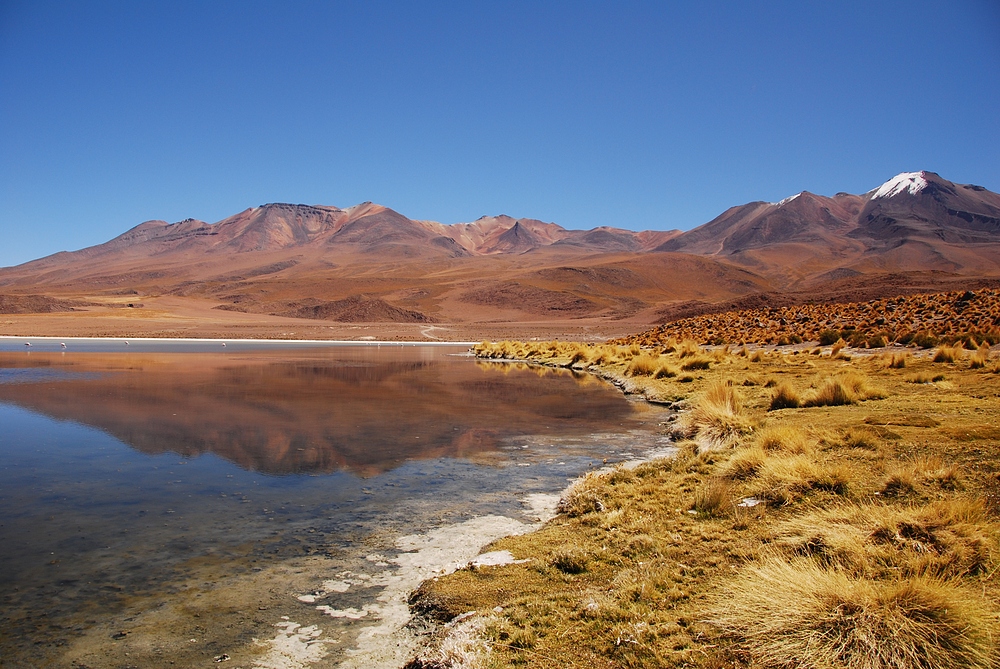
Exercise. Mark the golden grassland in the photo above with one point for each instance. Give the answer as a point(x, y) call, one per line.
point(826, 508)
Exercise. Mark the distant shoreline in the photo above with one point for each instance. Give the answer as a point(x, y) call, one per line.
point(201, 340)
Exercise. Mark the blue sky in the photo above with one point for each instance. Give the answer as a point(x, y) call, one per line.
point(646, 115)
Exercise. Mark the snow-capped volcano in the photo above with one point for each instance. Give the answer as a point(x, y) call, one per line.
point(907, 182)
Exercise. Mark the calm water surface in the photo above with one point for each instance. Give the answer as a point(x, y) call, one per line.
point(127, 472)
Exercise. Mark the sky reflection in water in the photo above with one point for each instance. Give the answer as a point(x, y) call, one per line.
point(119, 469)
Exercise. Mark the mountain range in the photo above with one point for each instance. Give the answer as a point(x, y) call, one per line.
point(369, 263)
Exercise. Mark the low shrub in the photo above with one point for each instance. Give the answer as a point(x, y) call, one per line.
point(829, 337)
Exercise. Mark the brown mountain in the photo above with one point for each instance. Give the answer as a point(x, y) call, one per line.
point(916, 221)
point(309, 270)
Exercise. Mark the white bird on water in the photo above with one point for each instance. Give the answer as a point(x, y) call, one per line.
point(27, 343)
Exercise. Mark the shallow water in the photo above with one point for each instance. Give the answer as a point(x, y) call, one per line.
point(140, 483)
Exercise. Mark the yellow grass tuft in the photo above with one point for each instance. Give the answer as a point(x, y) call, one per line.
point(784, 439)
point(837, 348)
point(719, 419)
point(665, 371)
point(582, 497)
point(715, 498)
point(981, 357)
point(696, 363)
point(687, 348)
point(745, 463)
point(904, 479)
point(847, 388)
point(799, 614)
point(785, 397)
point(949, 538)
point(785, 479)
point(899, 361)
point(949, 353)
point(645, 364)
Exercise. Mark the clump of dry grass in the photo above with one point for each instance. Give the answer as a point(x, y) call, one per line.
point(665, 371)
point(643, 365)
point(923, 378)
point(847, 388)
point(981, 357)
point(904, 478)
point(784, 480)
point(688, 348)
point(582, 497)
point(800, 614)
point(949, 353)
point(899, 361)
point(784, 439)
point(859, 437)
point(718, 420)
point(745, 463)
point(569, 561)
point(950, 538)
point(785, 397)
point(461, 647)
point(696, 363)
point(715, 498)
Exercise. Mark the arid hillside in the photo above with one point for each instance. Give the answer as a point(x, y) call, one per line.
point(283, 270)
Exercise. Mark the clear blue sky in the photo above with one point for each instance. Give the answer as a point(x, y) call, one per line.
point(650, 115)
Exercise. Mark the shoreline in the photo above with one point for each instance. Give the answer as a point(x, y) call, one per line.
point(211, 340)
point(655, 556)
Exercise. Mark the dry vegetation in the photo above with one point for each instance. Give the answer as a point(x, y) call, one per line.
point(826, 508)
point(925, 320)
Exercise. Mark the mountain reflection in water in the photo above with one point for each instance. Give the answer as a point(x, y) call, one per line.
point(363, 409)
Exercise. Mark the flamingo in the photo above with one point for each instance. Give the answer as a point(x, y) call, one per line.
point(27, 343)
point(63, 344)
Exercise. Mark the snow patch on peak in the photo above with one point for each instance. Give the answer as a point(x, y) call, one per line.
point(907, 182)
point(788, 199)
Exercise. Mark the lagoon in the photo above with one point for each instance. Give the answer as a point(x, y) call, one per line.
point(169, 503)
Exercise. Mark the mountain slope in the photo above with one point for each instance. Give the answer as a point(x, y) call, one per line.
point(369, 263)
